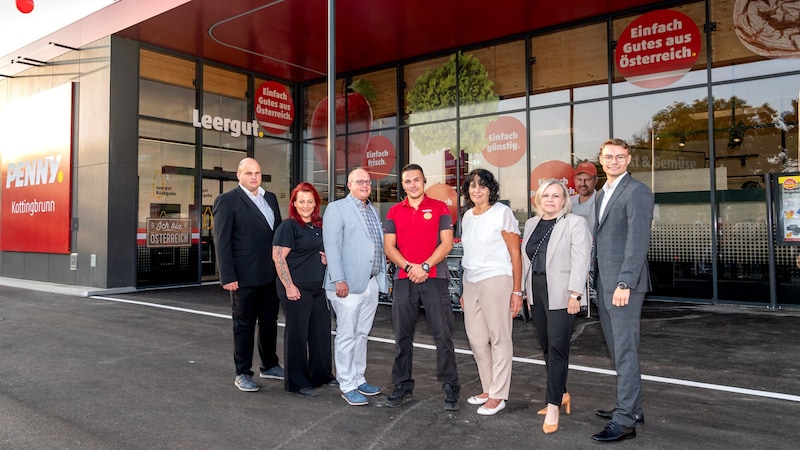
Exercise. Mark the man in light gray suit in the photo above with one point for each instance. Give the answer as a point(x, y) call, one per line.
point(622, 238)
point(356, 273)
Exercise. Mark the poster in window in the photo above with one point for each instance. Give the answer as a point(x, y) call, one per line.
point(789, 208)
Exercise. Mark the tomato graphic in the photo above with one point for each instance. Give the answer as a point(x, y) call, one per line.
point(354, 117)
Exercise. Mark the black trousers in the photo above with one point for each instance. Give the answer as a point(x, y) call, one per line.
point(307, 354)
point(435, 298)
point(255, 305)
point(554, 330)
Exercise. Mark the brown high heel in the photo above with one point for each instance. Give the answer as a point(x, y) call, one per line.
point(566, 400)
point(549, 428)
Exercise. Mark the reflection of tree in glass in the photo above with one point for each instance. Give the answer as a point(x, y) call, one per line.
point(734, 120)
point(789, 120)
point(434, 95)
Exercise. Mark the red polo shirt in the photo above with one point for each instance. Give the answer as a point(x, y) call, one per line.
point(417, 230)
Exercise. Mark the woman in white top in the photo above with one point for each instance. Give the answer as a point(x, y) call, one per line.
point(491, 280)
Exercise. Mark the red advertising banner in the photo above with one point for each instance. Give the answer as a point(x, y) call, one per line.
point(36, 165)
point(507, 142)
point(658, 48)
point(274, 108)
point(379, 158)
point(448, 195)
point(559, 170)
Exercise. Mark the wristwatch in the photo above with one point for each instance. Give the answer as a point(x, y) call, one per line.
point(623, 285)
point(426, 267)
point(407, 268)
point(519, 293)
point(576, 297)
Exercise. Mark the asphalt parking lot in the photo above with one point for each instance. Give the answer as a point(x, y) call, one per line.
point(154, 370)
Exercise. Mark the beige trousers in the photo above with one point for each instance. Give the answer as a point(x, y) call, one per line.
point(488, 322)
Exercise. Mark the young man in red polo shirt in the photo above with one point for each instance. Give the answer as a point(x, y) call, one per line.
point(418, 235)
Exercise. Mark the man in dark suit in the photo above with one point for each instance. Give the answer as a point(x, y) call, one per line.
point(244, 221)
point(622, 238)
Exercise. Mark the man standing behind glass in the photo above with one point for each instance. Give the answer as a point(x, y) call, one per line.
point(244, 221)
point(355, 275)
point(622, 238)
point(418, 235)
point(583, 202)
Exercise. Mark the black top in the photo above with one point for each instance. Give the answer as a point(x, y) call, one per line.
point(540, 238)
point(305, 242)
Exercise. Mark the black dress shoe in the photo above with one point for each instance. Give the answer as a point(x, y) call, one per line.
point(307, 392)
point(451, 397)
point(399, 395)
point(609, 413)
point(604, 413)
point(614, 432)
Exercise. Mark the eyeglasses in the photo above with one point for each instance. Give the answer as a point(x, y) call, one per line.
point(609, 158)
point(362, 182)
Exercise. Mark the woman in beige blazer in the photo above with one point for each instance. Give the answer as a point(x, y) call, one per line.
point(556, 251)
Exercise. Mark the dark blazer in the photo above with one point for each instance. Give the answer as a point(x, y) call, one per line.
point(243, 239)
point(622, 236)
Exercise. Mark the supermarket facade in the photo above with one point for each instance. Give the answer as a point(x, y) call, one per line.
point(114, 149)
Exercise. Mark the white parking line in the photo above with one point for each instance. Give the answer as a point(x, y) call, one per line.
point(655, 379)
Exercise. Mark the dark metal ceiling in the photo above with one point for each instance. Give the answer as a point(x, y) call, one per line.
point(287, 39)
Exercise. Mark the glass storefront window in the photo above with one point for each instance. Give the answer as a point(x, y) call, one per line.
point(570, 133)
point(151, 104)
point(570, 108)
point(223, 160)
point(550, 133)
point(668, 135)
point(166, 161)
point(274, 156)
point(228, 108)
point(757, 134)
point(589, 130)
point(165, 192)
point(168, 156)
point(681, 255)
point(757, 129)
point(168, 131)
point(669, 130)
point(570, 65)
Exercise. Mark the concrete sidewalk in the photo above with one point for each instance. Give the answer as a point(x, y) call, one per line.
point(153, 369)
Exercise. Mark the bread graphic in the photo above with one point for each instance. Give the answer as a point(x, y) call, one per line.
point(769, 28)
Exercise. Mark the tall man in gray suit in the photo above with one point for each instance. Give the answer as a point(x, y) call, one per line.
point(356, 273)
point(622, 238)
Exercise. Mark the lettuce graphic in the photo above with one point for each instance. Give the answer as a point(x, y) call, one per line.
point(434, 96)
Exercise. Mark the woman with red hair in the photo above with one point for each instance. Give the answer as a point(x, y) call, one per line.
point(300, 263)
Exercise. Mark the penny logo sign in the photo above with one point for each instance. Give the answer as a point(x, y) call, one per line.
point(658, 49)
